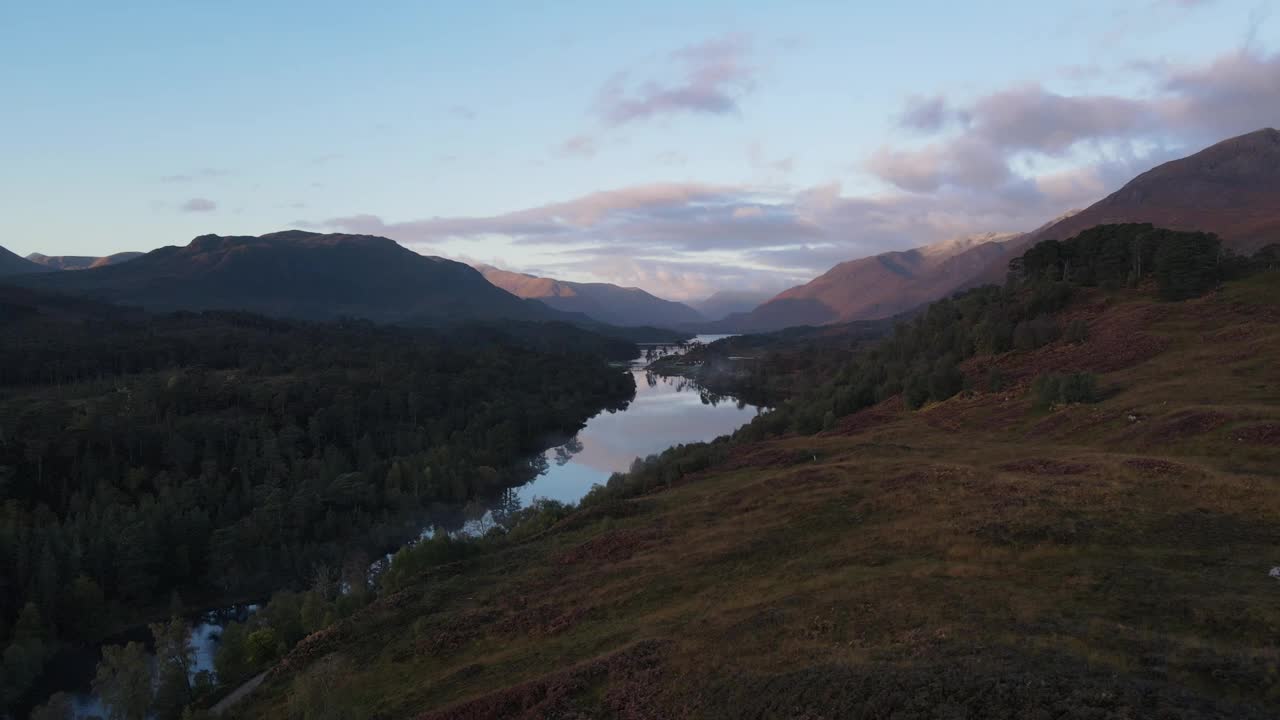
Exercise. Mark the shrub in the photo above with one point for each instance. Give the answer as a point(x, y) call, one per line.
point(1054, 389)
point(997, 381)
point(1077, 332)
point(411, 561)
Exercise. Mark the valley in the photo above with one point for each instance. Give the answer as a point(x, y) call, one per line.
point(640, 361)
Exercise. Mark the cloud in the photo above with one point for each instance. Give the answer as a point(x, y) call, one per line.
point(756, 156)
point(1006, 161)
point(1234, 94)
point(579, 145)
point(462, 112)
point(1002, 132)
point(198, 205)
point(692, 237)
point(712, 78)
point(925, 114)
point(195, 175)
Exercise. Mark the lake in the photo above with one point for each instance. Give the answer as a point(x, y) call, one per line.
point(664, 412)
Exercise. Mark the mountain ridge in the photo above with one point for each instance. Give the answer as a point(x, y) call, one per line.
point(301, 274)
point(878, 286)
point(613, 304)
point(13, 264)
point(82, 262)
point(1231, 188)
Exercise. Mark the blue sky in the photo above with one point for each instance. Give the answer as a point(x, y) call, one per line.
point(681, 147)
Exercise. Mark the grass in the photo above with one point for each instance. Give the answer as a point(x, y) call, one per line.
point(972, 559)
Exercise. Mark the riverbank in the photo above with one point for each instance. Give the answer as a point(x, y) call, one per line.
point(981, 556)
point(661, 413)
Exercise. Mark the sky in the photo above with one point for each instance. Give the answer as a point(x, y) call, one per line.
point(680, 147)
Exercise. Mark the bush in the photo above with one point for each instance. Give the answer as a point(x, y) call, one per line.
point(1054, 389)
point(997, 381)
point(1077, 332)
point(412, 561)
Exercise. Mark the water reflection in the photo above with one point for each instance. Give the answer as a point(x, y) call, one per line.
point(666, 411)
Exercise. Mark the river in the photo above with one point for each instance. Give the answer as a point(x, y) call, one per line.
point(664, 412)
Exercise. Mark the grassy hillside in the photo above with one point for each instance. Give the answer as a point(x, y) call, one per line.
point(978, 557)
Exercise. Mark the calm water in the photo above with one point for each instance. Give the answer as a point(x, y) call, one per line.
point(665, 412)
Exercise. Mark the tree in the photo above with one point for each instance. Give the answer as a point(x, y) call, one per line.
point(261, 646)
point(58, 707)
point(123, 681)
point(175, 661)
point(1077, 331)
point(1186, 265)
point(231, 661)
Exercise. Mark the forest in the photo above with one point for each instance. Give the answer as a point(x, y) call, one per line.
point(203, 457)
point(822, 380)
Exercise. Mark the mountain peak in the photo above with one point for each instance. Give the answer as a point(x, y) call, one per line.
point(302, 274)
point(1231, 188)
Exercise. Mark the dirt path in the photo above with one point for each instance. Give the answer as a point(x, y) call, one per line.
point(238, 694)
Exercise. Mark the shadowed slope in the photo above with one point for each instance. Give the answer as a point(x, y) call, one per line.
point(300, 274)
point(601, 301)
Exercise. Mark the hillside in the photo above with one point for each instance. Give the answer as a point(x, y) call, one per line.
point(81, 262)
point(12, 264)
point(879, 286)
point(981, 556)
point(1231, 189)
point(602, 301)
point(724, 303)
point(299, 274)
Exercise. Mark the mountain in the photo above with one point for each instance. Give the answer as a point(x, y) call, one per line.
point(880, 286)
point(13, 264)
point(604, 302)
point(728, 302)
point(1231, 189)
point(299, 274)
point(81, 262)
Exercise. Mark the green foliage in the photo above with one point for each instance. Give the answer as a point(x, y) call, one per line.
point(412, 561)
point(230, 454)
point(657, 471)
point(25, 654)
point(1077, 332)
point(123, 681)
point(921, 360)
point(262, 646)
point(1183, 264)
point(1054, 389)
point(997, 380)
point(58, 707)
point(1186, 265)
point(231, 661)
point(175, 659)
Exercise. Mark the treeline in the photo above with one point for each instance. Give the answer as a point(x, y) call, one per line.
point(767, 369)
point(1182, 264)
point(223, 454)
point(920, 359)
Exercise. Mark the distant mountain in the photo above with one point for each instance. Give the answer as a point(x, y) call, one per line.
point(727, 302)
point(1231, 188)
point(880, 286)
point(81, 262)
point(604, 302)
point(302, 275)
point(12, 264)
